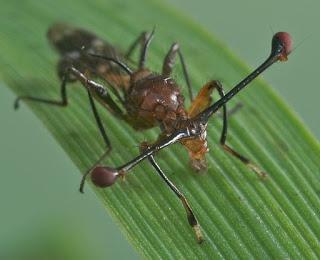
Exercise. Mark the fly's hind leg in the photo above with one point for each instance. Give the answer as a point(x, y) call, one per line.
point(62, 103)
point(260, 173)
point(91, 86)
point(100, 92)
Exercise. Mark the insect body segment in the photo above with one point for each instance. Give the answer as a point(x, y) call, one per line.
point(146, 99)
point(154, 100)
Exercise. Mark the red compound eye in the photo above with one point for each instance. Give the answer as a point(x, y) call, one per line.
point(286, 41)
point(104, 176)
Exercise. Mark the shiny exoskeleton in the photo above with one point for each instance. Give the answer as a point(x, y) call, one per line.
point(147, 99)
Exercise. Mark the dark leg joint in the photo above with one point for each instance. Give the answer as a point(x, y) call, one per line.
point(261, 174)
point(192, 220)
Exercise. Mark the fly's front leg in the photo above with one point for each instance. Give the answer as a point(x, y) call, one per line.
point(99, 91)
point(169, 62)
point(192, 220)
point(223, 137)
point(104, 136)
point(204, 99)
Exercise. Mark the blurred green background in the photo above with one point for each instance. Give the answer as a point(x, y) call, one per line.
point(42, 213)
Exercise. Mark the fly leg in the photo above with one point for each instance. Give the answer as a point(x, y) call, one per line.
point(144, 49)
point(260, 173)
point(100, 92)
point(144, 41)
point(62, 103)
point(141, 40)
point(231, 111)
point(192, 220)
point(169, 62)
point(91, 87)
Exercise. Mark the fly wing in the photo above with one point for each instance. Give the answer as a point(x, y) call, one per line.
point(75, 43)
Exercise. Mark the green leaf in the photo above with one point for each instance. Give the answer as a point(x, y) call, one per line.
point(240, 215)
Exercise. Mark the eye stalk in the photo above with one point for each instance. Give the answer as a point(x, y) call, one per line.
point(281, 48)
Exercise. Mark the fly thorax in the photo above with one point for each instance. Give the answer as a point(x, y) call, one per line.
point(155, 100)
